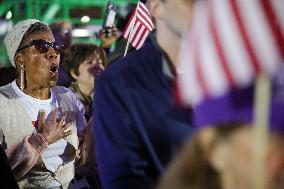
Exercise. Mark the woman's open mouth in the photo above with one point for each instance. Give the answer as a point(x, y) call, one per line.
point(53, 70)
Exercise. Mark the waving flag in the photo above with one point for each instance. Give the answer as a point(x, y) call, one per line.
point(230, 43)
point(139, 26)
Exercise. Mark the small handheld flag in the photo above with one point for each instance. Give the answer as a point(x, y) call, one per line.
point(139, 26)
point(230, 44)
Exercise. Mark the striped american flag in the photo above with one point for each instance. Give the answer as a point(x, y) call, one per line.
point(139, 26)
point(230, 42)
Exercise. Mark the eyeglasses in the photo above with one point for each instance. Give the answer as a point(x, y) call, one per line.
point(42, 46)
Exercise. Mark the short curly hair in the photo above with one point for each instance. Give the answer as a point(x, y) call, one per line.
point(78, 53)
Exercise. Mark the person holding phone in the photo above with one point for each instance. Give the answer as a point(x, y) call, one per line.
point(108, 36)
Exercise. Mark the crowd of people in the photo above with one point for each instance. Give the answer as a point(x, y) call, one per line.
point(83, 116)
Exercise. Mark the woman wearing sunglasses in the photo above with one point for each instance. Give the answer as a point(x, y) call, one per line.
point(42, 124)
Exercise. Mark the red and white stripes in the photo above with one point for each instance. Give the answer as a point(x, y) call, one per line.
point(230, 42)
point(142, 26)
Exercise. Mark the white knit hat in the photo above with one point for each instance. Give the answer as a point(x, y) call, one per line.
point(13, 39)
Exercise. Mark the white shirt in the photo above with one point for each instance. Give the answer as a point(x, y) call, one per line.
point(51, 156)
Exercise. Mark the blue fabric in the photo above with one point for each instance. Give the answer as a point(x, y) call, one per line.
point(138, 129)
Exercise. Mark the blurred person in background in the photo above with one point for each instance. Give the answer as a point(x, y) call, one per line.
point(84, 63)
point(138, 126)
point(220, 155)
point(114, 34)
point(62, 32)
point(42, 124)
point(108, 37)
point(235, 146)
point(121, 42)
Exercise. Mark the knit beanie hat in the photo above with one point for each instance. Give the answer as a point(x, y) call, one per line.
point(14, 37)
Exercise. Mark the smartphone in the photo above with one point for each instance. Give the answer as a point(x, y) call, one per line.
point(109, 16)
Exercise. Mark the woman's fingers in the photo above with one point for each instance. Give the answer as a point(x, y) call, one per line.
point(66, 133)
point(64, 130)
point(53, 117)
point(41, 121)
point(66, 126)
point(61, 122)
point(54, 129)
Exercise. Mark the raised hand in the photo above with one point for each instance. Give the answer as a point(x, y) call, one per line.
point(108, 37)
point(53, 130)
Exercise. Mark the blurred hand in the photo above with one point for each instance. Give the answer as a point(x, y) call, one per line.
point(53, 130)
point(108, 37)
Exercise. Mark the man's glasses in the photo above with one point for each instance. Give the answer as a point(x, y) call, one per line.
point(42, 46)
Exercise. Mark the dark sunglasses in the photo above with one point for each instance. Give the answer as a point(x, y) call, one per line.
point(42, 46)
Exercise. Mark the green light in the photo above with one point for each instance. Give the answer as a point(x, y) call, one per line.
point(50, 13)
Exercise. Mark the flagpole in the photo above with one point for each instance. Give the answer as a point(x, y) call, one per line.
point(262, 94)
point(131, 31)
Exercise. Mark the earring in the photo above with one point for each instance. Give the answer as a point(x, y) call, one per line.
point(22, 76)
